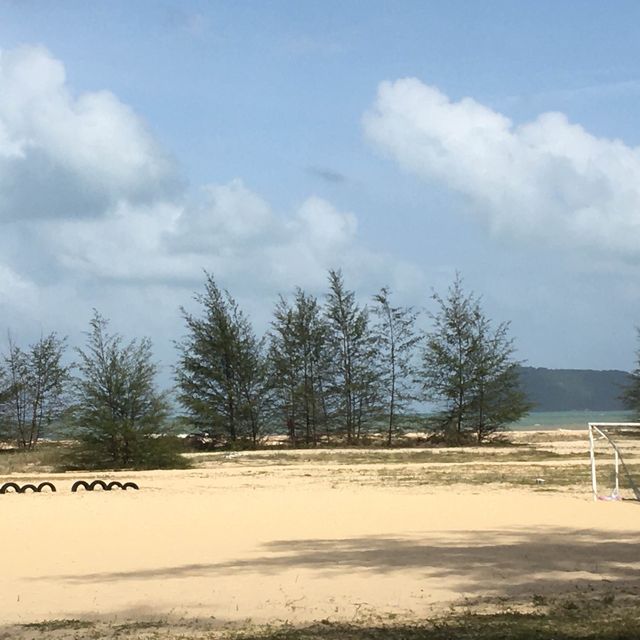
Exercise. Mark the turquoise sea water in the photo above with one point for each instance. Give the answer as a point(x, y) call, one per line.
point(568, 419)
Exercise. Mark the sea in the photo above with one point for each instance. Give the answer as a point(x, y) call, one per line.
point(550, 420)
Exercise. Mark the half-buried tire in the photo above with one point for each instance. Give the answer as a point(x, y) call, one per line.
point(114, 485)
point(80, 484)
point(130, 485)
point(9, 485)
point(29, 487)
point(98, 483)
point(44, 485)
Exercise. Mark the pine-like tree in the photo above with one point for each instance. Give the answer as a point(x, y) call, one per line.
point(468, 369)
point(221, 374)
point(396, 340)
point(631, 393)
point(498, 397)
point(36, 392)
point(355, 377)
point(120, 416)
point(299, 359)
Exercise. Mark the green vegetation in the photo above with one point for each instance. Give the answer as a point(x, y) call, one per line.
point(468, 368)
point(355, 383)
point(631, 391)
point(119, 416)
point(34, 388)
point(395, 339)
point(574, 389)
point(299, 368)
point(331, 375)
point(328, 373)
point(221, 374)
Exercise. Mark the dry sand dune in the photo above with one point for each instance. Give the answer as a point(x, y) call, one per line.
point(289, 543)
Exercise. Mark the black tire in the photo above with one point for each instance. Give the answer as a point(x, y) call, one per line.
point(29, 487)
point(114, 485)
point(130, 485)
point(98, 483)
point(51, 486)
point(9, 485)
point(80, 483)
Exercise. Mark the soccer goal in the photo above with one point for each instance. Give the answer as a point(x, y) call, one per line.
point(605, 442)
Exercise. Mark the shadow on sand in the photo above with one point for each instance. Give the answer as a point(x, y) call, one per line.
point(494, 563)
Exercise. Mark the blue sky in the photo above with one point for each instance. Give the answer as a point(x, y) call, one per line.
point(268, 141)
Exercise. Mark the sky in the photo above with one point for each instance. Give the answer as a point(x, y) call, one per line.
point(142, 143)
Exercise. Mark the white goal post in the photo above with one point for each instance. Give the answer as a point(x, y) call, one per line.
point(598, 430)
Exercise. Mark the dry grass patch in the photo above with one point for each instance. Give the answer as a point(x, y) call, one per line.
point(572, 617)
point(45, 458)
point(382, 456)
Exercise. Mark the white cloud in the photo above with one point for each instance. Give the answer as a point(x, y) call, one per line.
point(546, 180)
point(91, 215)
point(323, 226)
point(125, 244)
point(230, 214)
point(66, 156)
point(233, 233)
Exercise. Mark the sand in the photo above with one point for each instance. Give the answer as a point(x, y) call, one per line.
point(292, 543)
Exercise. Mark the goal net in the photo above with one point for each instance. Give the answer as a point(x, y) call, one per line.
point(611, 470)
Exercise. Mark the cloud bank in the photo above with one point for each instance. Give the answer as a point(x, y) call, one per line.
point(66, 156)
point(546, 180)
point(232, 232)
point(93, 213)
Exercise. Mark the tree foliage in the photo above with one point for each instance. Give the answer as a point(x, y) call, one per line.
point(468, 368)
point(221, 373)
point(395, 339)
point(299, 364)
point(120, 417)
point(498, 398)
point(333, 372)
point(35, 392)
point(631, 393)
point(355, 381)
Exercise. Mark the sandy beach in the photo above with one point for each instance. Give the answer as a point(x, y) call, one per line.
point(301, 541)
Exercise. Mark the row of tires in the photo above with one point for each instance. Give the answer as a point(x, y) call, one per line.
point(8, 487)
point(105, 486)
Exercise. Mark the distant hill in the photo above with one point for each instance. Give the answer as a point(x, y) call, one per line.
point(573, 389)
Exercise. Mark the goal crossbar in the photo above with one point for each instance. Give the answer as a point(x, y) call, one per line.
point(597, 427)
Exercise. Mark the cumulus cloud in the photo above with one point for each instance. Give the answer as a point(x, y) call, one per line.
point(548, 179)
point(92, 214)
point(233, 232)
point(126, 244)
point(229, 214)
point(67, 156)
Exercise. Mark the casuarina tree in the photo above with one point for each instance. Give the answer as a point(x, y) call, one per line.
point(120, 416)
point(300, 360)
point(396, 340)
point(469, 370)
point(36, 389)
point(221, 372)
